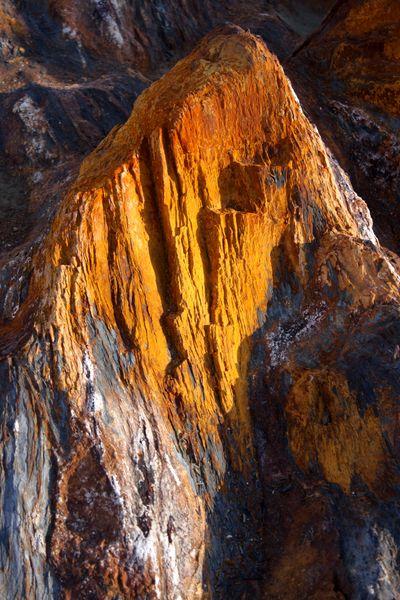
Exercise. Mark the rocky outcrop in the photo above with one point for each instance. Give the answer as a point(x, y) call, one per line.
point(199, 384)
point(70, 72)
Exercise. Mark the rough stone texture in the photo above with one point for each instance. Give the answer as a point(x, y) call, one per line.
point(199, 389)
point(200, 340)
point(69, 73)
point(348, 75)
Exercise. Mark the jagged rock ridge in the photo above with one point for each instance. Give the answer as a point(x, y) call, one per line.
point(194, 404)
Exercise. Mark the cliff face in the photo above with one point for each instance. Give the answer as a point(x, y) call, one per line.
point(199, 384)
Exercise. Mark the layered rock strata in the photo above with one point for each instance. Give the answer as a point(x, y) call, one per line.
point(199, 386)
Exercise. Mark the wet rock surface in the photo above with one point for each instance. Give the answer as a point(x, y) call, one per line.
point(200, 342)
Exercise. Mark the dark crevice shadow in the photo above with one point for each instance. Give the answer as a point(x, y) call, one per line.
point(235, 563)
point(161, 255)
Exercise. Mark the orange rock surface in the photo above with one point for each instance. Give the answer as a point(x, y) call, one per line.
point(200, 384)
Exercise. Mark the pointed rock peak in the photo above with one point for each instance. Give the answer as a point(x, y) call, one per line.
point(228, 58)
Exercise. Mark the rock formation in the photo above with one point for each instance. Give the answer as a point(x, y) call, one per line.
point(201, 365)
point(70, 71)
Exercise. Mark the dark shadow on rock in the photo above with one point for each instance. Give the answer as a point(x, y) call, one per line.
point(279, 531)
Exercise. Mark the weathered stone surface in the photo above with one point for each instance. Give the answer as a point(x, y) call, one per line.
point(69, 73)
point(200, 381)
point(348, 75)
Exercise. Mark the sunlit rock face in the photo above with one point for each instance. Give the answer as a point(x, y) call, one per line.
point(200, 381)
point(69, 73)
